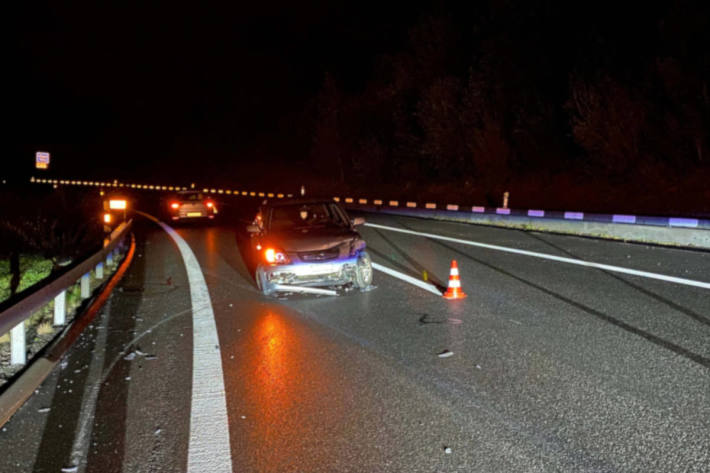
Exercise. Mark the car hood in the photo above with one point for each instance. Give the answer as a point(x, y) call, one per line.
point(315, 239)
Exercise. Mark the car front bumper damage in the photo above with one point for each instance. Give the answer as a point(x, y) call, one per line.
point(311, 277)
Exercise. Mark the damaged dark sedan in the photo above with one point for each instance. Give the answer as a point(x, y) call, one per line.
point(308, 246)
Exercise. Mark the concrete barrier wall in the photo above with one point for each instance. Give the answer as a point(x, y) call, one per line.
point(671, 231)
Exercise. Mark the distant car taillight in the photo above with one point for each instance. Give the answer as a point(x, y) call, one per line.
point(209, 204)
point(175, 205)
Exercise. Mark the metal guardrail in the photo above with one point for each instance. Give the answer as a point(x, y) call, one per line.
point(13, 318)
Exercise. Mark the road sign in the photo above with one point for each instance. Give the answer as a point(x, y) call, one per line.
point(42, 160)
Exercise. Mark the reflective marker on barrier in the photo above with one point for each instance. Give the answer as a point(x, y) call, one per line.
point(623, 218)
point(683, 222)
point(574, 215)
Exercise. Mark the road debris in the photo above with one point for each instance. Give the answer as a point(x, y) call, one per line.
point(445, 354)
point(447, 450)
point(433, 319)
point(42, 410)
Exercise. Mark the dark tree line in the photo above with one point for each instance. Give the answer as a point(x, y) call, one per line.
point(61, 227)
point(489, 96)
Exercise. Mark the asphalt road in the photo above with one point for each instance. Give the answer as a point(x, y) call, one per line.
point(555, 367)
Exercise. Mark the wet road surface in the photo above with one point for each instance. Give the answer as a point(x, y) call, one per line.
point(555, 367)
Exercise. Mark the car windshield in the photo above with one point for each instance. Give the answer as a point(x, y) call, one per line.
point(192, 196)
point(300, 216)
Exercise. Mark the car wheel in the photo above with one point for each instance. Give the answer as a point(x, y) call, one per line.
point(363, 270)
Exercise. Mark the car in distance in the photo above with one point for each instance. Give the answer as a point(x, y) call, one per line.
point(188, 205)
point(308, 246)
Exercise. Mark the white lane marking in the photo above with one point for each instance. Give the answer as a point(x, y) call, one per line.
point(407, 278)
point(209, 448)
point(80, 447)
point(589, 264)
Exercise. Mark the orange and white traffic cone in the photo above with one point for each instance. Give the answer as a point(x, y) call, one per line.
point(454, 290)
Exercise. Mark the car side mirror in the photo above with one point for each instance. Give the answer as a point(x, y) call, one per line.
point(253, 228)
point(358, 221)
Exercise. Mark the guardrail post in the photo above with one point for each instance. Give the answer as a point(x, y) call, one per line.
point(18, 350)
point(86, 286)
point(60, 308)
point(99, 273)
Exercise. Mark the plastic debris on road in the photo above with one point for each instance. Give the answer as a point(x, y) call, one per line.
point(447, 450)
point(445, 354)
point(42, 410)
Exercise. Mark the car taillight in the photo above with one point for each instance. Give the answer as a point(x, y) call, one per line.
point(175, 205)
point(274, 256)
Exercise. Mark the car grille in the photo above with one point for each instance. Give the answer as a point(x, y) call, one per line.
point(323, 255)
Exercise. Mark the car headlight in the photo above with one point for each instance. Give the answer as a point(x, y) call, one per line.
point(276, 256)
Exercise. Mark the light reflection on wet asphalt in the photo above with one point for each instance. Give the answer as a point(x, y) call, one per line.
point(539, 379)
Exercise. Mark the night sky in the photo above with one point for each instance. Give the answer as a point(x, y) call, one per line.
point(558, 99)
point(127, 88)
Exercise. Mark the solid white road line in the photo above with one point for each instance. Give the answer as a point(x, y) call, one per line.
point(429, 287)
point(80, 448)
point(209, 448)
point(589, 264)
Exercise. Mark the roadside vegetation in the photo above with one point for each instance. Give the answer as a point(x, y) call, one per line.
point(42, 231)
point(32, 269)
